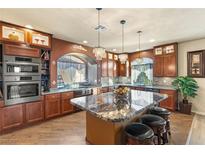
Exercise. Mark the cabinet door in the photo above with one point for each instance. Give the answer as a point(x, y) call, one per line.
point(34, 112)
point(104, 68)
point(122, 69)
point(158, 66)
point(115, 68)
point(12, 116)
point(110, 68)
point(66, 107)
point(52, 105)
point(170, 65)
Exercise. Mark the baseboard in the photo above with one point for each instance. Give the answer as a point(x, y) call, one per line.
point(190, 131)
point(198, 112)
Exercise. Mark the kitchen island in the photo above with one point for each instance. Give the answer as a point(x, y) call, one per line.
point(105, 122)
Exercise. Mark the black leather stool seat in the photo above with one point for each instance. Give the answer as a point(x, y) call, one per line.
point(159, 111)
point(152, 120)
point(139, 131)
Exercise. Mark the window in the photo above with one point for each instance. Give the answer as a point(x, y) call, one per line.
point(71, 69)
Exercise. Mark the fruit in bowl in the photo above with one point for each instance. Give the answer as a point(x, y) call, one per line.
point(121, 90)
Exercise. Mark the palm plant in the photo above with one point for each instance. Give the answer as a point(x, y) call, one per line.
point(187, 86)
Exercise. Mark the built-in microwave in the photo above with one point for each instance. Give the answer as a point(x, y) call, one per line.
point(20, 89)
point(14, 65)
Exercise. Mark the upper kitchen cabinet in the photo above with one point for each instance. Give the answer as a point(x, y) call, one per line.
point(104, 67)
point(165, 60)
point(110, 65)
point(11, 33)
point(39, 39)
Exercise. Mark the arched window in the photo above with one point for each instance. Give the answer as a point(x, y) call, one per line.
point(70, 70)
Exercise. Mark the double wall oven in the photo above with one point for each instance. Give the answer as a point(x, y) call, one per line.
point(22, 79)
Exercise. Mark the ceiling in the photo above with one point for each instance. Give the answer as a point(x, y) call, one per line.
point(77, 25)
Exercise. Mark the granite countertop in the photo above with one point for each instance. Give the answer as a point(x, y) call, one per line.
point(103, 107)
point(56, 90)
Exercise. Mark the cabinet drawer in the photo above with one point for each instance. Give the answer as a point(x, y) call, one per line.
point(67, 95)
point(52, 96)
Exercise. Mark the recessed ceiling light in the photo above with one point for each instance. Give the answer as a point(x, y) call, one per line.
point(152, 40)
point(114, 49)
point(29, 26)
point(85, 42)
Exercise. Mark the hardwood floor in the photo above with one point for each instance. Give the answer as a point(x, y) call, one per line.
point(70, 129)
point(197, 133)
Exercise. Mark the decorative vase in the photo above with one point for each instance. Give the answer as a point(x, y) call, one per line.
point(121, 101)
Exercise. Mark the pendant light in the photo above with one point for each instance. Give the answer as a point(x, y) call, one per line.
point(99, 51)
point(140, 60)
point(123, 57)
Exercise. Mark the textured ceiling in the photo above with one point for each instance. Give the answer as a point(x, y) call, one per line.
point(76, 25)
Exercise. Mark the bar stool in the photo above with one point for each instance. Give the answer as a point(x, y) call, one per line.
point(164, 113)
point(139, 134)
point(157, 124)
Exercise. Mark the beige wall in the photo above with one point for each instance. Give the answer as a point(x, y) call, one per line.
point(183, 48)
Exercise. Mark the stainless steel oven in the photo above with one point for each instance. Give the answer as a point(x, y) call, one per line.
point(14, 65)
point(20, 89)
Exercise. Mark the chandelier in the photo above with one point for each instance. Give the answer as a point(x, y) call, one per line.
point(123, 57)
point(99, 51)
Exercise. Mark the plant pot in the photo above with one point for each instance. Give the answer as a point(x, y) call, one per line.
point(185, 108)
point(185, 101)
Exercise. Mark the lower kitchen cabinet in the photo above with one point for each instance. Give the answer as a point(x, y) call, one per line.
point(12, 116)
point(52, 105)
point(66, 107)
point(34, 112)
point(170, 102)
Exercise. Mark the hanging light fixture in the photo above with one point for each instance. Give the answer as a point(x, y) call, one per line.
point(99, 51)
point(123, 57)
point(140, 60)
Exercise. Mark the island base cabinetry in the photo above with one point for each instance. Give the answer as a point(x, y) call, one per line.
point(101, 132)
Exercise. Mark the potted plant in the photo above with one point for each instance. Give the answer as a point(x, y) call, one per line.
point(188, 87)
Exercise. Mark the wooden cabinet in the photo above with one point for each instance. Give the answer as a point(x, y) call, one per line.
point(170, 63)
point(34, 112)
point(104, 67)
point(122, 69)
point(12, 116)
point(66, 107)
point(21, 51)
point(158, 66)
point(110, 68)
point(170, 102)
point(115, 68)
point(52, 105)
point(165, 60)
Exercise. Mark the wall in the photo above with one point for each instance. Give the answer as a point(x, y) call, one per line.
point(183, 48)
point(60, 48)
